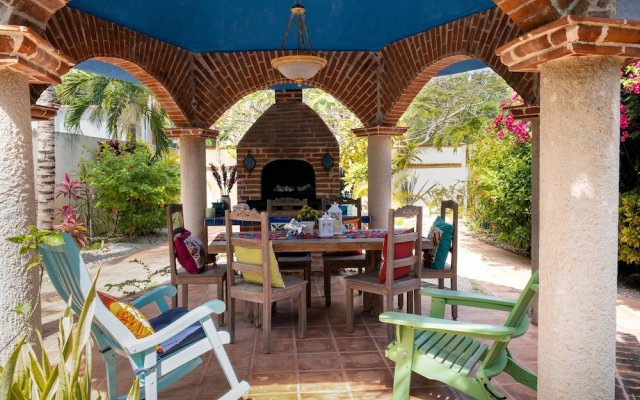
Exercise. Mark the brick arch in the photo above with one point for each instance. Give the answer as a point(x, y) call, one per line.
point(407, 67)
point(224, 78)
point(163, 68)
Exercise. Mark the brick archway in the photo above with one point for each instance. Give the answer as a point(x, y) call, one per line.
point(224, 78)
point(408, 68)
point(163, 68)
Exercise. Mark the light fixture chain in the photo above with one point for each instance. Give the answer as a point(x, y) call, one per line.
point(286, 33)
point(306, 32)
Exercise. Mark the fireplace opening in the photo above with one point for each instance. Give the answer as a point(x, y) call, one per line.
point(288, 178)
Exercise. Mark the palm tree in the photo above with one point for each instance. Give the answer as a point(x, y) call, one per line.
point(121, 105)
point(46, 164)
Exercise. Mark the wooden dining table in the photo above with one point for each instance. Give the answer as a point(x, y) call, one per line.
point(371, 241)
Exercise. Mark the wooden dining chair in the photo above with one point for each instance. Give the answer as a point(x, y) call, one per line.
point(342, 259)
point(397, 255)
point(287, 207)
point(450, 270)
point(255, 256)
point(213, 275)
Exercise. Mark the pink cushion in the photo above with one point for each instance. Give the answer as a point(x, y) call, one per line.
point(189, 252)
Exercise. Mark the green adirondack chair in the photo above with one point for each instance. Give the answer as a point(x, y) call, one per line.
point(448, 351)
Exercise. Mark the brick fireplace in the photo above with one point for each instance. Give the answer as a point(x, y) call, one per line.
point(288, 142)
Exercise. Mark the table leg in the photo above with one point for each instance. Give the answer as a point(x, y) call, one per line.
point(372, 303)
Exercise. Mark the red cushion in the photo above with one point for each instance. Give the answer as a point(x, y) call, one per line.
point(400, 250)
point(189, 252)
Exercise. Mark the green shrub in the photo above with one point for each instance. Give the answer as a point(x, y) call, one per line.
point(629, 228)
point(134, 186)
point(499, 189)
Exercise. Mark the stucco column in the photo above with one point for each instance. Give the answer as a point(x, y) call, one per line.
point(579, 61)
point(193, 176)
point(24, 58)
point(379, 178)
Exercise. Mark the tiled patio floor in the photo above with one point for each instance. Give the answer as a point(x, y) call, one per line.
point(329, 363)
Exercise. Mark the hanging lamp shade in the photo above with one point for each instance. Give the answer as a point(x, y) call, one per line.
point(299, 67)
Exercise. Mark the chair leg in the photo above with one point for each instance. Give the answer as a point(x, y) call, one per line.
point(220, 295)
point(109, 358)
point(454, 286)
point(417, 301)
point(231, 317)
point(150, 378)
point(302, 316)
point(174, 299)
point(266, 328)
point(401, 301)
point(307, 277)
point(185, 296)
point(349, 308)
point(327, 286)
point(409, 302)
point(440, 283)
point(387, 305)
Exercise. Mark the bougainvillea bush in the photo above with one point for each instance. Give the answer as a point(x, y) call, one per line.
point(499, 189)
point(134, 186)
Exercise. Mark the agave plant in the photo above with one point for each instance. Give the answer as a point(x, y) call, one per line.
point(25, 377)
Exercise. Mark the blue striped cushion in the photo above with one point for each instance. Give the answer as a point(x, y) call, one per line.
point(192, 334)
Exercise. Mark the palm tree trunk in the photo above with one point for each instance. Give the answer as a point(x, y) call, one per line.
point(46, 165)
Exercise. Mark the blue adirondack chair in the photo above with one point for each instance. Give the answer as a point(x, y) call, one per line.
point(448, 351)
point(184, 335)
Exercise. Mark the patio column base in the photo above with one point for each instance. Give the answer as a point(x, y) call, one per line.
point(193, 176)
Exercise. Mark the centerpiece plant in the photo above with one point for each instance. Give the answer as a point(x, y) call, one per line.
point(308, 216)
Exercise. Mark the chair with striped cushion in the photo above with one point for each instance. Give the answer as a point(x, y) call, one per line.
point(185, 336)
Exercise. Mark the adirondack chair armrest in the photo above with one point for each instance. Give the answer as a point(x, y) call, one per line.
point(200, 313)
point(156, 295)
point(470, 299)
point(481, 331)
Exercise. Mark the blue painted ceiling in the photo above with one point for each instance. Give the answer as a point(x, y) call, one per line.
point(243, 25)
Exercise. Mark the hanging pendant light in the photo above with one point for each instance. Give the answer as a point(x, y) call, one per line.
point(299, 67)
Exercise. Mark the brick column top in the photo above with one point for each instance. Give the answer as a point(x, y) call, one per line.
point(26, 52)
point(191, 132)
point(526, 112)
point(43, 113)
point(379, 130)
point(572, 36)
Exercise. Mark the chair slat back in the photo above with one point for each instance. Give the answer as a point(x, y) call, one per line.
point(357, 203)
point(518, 318)
point(414, 261)
point(72, 280)
point(174, 211)
point(285, 207)
point(262, 243)
point(453, 206)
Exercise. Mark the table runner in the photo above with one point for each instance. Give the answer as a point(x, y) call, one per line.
point(282, 235)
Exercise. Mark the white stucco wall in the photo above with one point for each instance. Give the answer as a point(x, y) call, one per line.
point(218, 156)
point(89, 129)
point(431, 171)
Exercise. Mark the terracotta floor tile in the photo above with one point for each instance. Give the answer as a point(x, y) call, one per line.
point(278, 346)
point(356, 344)
point(273, 362)
point(372, 395)
point(341, 331)
point(370, 379)
point(279, 333)
point(313, 345)
point(366, 360)
point(517, 391)
point(325, 396)
point(378, 329)
point(435, 393)
point(275, 396)
point(318, 361)
point(279, 382)
point(320, 381)
point(318, 332)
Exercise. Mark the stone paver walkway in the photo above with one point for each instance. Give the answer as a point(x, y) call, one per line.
point(333, 364)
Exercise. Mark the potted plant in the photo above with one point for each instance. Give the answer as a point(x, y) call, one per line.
point(308, 217)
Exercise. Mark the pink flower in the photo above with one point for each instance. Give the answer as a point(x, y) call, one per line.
point(624, 136)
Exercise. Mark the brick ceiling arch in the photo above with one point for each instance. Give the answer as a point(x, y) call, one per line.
point(222, 79)
point(163, 68)
point(407, 68)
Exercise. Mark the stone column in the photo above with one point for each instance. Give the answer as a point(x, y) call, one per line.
point(193, 176)
point(24, 58)
point(379, 159)
point(532, 114)
point(579, 61)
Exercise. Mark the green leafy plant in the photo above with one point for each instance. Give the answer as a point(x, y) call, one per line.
point(134, 187)
point(629, 228)
point(139, 285)
point(307, 213)
point(27, 376)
